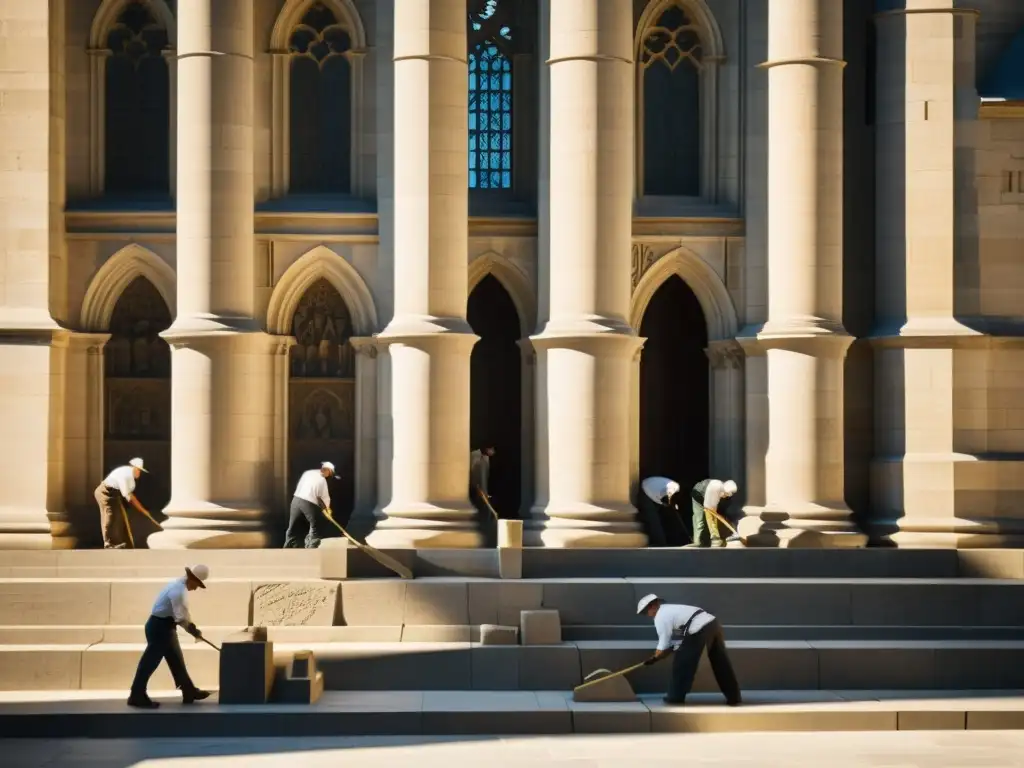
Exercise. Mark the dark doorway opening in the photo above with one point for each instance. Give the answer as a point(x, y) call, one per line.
point(674, 398)
point(495, 396)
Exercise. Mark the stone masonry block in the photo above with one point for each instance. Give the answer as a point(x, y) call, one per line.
point(495, 634)
point(540, 628)
point(510, 534)
point(298, 681)
point(510, 562)
point(310, 603)
point(373, 603)
point(246, 670)
point(56, 601)
point(615, 688)
point(436, 603)
point(333, 554)
point(221, 604)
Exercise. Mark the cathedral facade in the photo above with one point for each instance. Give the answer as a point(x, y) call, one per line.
point(777, 241)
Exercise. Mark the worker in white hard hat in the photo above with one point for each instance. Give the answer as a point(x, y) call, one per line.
point(707, 497)
point(117, 488)
point(312, 498)
point(685, 631)
point(170, 611)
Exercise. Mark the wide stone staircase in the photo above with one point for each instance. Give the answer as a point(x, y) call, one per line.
point(870, 639)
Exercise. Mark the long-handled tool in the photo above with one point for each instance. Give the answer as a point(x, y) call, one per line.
point(487, 502)
point(215, 647)
point(128, 525)
point(386, 560)
point(606, 676)
point(727, 524)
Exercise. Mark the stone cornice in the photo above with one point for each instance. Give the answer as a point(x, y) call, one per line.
point(1008, 109)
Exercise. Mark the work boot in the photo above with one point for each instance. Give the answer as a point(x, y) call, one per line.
point(142, 701)
point(196, 694)
point(717, 543)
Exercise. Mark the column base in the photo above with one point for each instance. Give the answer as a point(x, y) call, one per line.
point(24, 529)
point(591, 528)
point(815, 527)
point(211, 527)
point(427, 530)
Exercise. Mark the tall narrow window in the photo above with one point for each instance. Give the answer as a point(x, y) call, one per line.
point(137, 109)
point(320, 125)
point(670, 61)
point(490, 97)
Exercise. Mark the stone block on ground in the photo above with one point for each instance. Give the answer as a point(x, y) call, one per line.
point(246, 668)
point(333, 554)
point(542, 627)
point(615, 688)
point(510, 562)
point(298, 681)
point(510, 534)
point(297, 603)
point(495, 634)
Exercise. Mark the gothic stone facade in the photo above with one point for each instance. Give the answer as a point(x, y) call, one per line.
point(776, 241)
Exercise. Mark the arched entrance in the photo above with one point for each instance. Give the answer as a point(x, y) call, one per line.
point(674, 398)
point(321, 393)
point(138, 398)
point(495, 390)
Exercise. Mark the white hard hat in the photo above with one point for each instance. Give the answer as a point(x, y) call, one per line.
point(137, 463)
point(200, 573)
point(645, 601)
point(729, 487)
point(671, 487)
point(327, 465)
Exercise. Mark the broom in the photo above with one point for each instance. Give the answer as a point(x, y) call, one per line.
point(386, 560)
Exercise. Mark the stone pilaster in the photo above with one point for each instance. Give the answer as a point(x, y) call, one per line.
point(365, 432)
point(31, 242)
point(727, 418)
point(947, 462)
point(428, 339)
point(585, 347)
point(222, 367)
point(804, 338)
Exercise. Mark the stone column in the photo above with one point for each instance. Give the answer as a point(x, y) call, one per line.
point(804, 338)
point(31, 239)
point(585, 348)
point(221, 367)
point(947, 465)
point(365, 432)
point(727, 421)
point(428, 338)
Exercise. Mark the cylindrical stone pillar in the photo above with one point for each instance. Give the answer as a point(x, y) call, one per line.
point(31, 238)
point(585, 348)
point(804, 337)
point(428, 338)
point(221, 366)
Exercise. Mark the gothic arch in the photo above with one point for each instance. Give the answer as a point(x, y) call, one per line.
point(713, 53)
point(719, 312)
point(116, 274)
point(280, 130)
point(110, 10)
point(512, 279)
point(321, 262)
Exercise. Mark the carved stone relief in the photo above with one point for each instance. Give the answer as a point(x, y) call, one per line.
point(322, 327)
point(642, 258)
point(725, 354)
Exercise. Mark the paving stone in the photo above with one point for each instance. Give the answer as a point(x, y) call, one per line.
point(540, 627)
point(930, 720)
point(293, 604)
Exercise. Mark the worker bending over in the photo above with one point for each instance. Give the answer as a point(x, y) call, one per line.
point(480, 494)
point(659, 511)
point(170, 611)
point(707, 496)
point(686, 631)
point(116, 488)
point(311, 498)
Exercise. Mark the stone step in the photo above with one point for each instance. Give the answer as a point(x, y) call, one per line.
point(73, 714)
point(537, 563)
point(439, 633)
point(760, 665)
point(462, 601)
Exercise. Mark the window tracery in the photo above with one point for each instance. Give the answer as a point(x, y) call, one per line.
point(491, 133)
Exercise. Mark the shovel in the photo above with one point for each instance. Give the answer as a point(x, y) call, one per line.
point(608, 676)
point(386, 560)
point(727, 524)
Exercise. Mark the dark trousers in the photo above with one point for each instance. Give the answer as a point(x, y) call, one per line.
point(161, 644)
point(302, 510)
point(485, 519)
point(687, 657)
point(664, 526)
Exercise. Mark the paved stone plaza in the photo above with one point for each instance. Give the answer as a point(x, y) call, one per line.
point(1001, 749)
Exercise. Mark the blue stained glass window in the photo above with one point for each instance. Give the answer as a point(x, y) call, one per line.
point(490, 100)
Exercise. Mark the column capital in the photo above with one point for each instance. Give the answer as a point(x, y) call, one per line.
point(92, 343)
point(365, 346)
point(725, 353)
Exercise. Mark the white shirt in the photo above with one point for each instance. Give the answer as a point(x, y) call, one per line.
point(479, 469)
point(713, 494)
point(312, 487)
point(657, 488)
point(173, 602)
point(670, 620)
point(123, 480)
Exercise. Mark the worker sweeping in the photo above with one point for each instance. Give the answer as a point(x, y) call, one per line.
point(659, 509)
point(707, 496)
point(685, 631)
point(311, 498)
point(479, 492)
point(170, 611)
point(119, 487)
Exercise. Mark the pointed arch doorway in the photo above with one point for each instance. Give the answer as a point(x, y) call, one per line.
point(674, 395)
